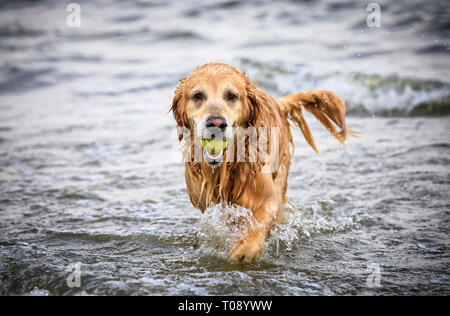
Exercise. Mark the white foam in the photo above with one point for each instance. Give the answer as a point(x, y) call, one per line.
point(221, 225)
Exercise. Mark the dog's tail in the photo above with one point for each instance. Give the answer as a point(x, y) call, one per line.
point(325, 105)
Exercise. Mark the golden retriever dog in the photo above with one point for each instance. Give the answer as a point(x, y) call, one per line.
point(217, 99)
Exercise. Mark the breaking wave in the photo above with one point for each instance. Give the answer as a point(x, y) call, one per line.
point(365, 94)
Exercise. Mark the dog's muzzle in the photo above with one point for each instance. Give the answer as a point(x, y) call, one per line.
point(215, 133)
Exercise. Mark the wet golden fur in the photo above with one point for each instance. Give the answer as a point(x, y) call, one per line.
point(244, 183)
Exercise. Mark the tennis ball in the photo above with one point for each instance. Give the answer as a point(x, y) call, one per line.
point(214, 146)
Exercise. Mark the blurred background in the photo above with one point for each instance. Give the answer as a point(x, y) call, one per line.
point(87, 172)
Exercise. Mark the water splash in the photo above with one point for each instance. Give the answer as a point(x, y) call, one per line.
point(320, 218)
point(221, 225)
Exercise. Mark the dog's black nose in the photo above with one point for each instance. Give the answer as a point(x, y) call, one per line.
point(217, 121)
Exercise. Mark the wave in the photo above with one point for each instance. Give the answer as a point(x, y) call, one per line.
point(365, 94)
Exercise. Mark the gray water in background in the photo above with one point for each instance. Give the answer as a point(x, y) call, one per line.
point(86, 148)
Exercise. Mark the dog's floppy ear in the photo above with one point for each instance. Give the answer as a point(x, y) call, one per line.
point(179, 108)
point(253, 103)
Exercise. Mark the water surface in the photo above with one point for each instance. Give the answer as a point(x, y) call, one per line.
point(88, 175)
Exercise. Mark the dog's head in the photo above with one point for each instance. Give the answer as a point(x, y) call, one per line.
point(213, 100)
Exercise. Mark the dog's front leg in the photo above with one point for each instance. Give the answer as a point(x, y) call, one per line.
point(250, 245)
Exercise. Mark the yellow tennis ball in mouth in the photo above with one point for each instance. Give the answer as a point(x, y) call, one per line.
point(214, 146)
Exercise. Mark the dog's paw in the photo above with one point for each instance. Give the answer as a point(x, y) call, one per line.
point(248, 250)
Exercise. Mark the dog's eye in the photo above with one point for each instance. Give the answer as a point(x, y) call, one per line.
point(198, 96)
point(231, 96)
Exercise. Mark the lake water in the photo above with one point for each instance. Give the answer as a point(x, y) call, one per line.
point(87, 167)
